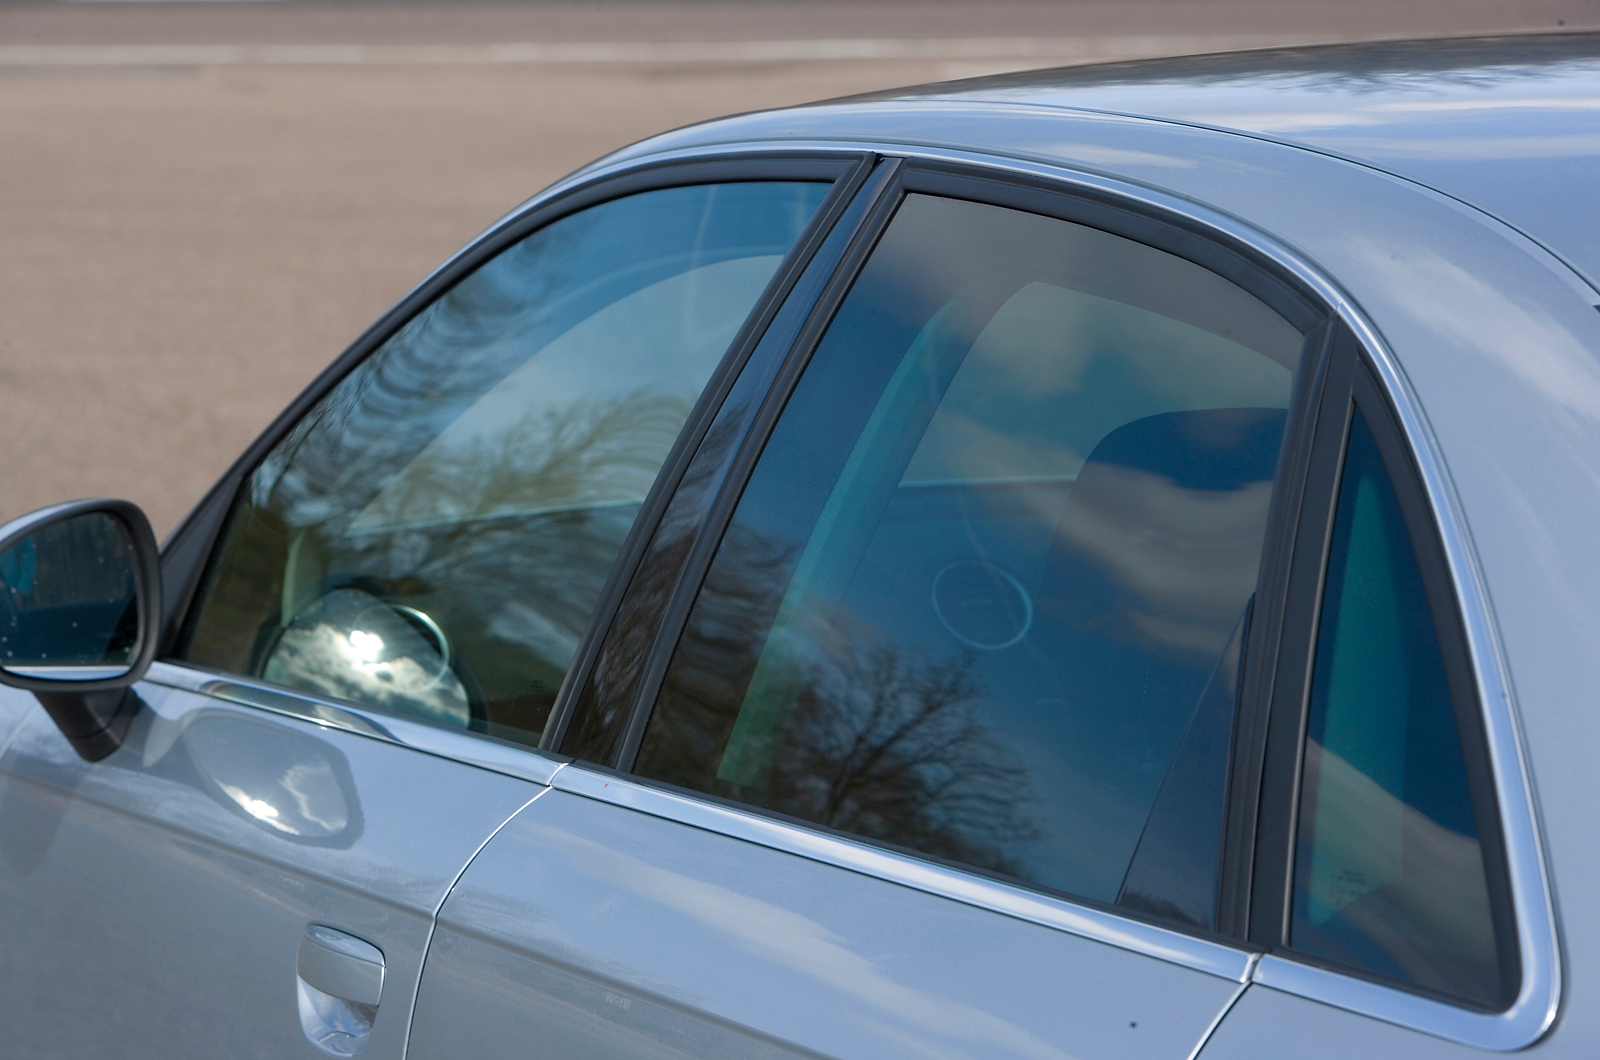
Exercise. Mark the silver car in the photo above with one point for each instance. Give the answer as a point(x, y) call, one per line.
point(1097, 563)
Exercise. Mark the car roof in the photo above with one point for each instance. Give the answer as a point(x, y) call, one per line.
point(1508, 124)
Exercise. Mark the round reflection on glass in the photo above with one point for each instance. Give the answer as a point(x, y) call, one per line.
point(981, 604)
point(354, 646)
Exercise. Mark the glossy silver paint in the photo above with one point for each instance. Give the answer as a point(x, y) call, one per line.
point(156, 901)
point(599, 931)
point(402, 732)
point(1511, 125)
point(1267, 1023)
point(341, 965)
point(1135, 936)
point(339, 988)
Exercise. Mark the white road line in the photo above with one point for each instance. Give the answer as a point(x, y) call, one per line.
point(627, 52)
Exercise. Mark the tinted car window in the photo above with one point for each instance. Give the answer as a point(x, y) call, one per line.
point(1389, 873)
point(993, 557)
point(68, 599)
point(432, 537)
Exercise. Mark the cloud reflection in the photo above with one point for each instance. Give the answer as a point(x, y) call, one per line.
point(287, 783)
point(1184, 559)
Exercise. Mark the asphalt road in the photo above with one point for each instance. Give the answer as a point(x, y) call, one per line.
point(201, 204)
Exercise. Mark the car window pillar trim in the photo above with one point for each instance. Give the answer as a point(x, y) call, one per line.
point(1363, 374)
point(1257, 672)
point(683, 448)
point(881, 195)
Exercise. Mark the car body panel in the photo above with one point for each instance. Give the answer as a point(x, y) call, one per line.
point(15, 706)
point(602, 931)
point(1269, 1023)
point(156, 900)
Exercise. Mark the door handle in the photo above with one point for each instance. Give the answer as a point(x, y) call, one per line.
point(341, 965)
point(340, 985)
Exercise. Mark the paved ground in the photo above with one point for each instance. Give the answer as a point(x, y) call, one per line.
point(188, 232)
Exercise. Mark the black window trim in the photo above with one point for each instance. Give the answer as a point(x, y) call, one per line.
point(1352, 383)
point(846, 185)
point(1242, 265)
point(874, 197)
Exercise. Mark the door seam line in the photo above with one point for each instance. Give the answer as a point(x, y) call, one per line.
point(433, 920)
point(1205, 1037)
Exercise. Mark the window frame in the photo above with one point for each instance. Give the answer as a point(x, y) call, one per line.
point(1174, 233)
point(659, 623)
point(188, 554)
point(1350, 383)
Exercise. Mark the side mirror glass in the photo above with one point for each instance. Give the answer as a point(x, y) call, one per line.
point(80, 612)
point(70, 606)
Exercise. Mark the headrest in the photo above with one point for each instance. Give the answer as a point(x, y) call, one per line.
point(1206, 449)
point(1160, 539)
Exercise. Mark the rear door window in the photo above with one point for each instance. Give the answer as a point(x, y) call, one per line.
point(982, 596)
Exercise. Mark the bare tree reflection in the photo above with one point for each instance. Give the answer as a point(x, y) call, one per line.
point(890, 747)
point(597, 722)
point(590, 451)
point(706, 683)
point(866, 737)
point(505, 539)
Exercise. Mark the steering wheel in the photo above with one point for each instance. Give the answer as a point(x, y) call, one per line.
point(357, 646)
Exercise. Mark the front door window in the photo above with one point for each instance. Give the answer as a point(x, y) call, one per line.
point(432, 537)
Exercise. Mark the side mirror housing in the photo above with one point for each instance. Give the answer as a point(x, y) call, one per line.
point(80, 614)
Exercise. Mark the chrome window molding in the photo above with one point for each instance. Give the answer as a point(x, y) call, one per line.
point(1496, 1032)
point(1539, 993)
point(467, 748)
point(1535, 1007)
point(1203, 955)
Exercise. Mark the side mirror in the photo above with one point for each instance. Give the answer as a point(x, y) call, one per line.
point(80, 612)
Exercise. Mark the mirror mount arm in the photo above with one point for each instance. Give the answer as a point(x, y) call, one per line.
point(94, 723)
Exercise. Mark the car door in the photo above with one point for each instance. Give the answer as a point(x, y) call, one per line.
point(912, 734)
point(373, 617)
